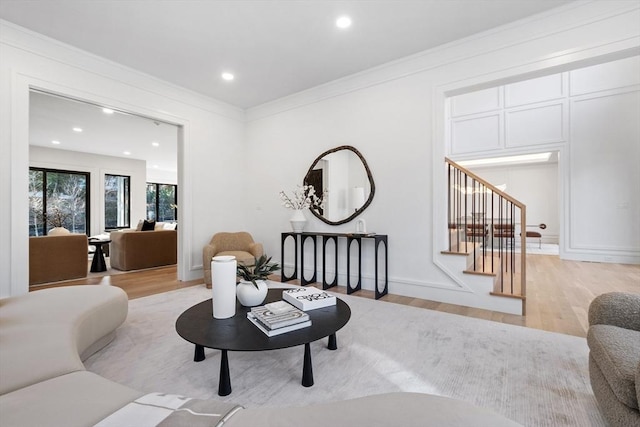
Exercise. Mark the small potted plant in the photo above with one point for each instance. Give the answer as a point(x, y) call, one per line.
point(252, 289)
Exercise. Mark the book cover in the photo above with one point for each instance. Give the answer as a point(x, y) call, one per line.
point(279, 331)
point(279, 320)
point(308, 298)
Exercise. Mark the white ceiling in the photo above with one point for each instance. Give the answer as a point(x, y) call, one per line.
point(53, 118)
point(274, 48)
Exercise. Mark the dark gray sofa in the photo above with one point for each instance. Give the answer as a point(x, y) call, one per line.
point(614, 357)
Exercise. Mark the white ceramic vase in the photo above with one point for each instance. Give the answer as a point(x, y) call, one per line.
point(249, 295)
point(58, 231)
point(298, 221)
point(223, 289)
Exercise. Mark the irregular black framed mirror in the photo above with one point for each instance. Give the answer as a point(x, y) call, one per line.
point(344, 177)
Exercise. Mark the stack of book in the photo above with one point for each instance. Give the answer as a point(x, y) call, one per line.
point(285, 318)
point(308, 298)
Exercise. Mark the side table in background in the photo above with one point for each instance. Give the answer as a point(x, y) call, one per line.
point(98, 264)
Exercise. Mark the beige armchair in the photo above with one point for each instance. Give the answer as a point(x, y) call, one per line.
point(240, 245)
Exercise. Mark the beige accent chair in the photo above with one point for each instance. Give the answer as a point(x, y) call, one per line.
point(240, 245)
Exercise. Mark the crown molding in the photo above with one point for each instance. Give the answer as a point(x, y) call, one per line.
point(572, 16)
point(26, 40)
point(558, 20)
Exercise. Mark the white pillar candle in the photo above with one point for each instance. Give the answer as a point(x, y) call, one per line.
point(223, 278)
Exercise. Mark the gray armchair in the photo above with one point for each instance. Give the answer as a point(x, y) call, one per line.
point(240, 245)
point(614, 357)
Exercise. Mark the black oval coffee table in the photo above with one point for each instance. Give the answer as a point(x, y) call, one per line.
point(198, 326)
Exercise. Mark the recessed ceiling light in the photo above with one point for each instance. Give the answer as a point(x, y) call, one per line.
point(155, 166)
point(107, 110)
point(227, 76)
point(155, 144)
point(343, 22)
point(126, 153)
point(77, 129)
point(54, 142)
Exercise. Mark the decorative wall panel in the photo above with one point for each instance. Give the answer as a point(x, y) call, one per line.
point(480, 101)
point(545, 88)
point(605, 172)
point(476, 134)
point(610, 75)
point(534, 126)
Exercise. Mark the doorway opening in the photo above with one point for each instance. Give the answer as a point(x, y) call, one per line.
point(120, 151)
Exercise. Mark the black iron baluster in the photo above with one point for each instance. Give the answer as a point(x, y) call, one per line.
point(466, 224)
point(474, 229)
point(449, 222)
point(513, 245)
point(457, 197)
point(500, 245)
point(483, 194)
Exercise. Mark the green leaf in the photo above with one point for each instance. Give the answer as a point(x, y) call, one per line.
point(261, 269)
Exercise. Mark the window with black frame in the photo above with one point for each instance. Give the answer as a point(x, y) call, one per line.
point(58, 198)
point(117, 201)
point(162, 202)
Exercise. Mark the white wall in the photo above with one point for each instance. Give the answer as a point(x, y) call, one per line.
point(162, 177)
point(394, 115)
point(211, 139)
point(604, 164)
point(520, 116)
point(97, 166)
point(535, 185)
point(396, 153)
point(592, 115)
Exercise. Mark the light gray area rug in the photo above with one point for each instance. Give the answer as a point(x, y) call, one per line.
point(534, 377)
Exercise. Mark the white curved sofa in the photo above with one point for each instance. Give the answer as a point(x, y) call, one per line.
point(45, 335)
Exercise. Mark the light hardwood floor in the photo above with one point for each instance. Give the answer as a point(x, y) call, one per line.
point(558, 292)
point(136, 284)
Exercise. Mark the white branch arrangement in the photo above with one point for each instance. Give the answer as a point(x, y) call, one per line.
point(303, 197)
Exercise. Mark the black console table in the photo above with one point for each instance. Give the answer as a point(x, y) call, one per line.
point(352, 238)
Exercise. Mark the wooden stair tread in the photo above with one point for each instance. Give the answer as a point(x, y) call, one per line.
point(500, 294)
point(517, 285)
point(479, 273)
point(454, 253)
point(493, 264)
point(464, 248)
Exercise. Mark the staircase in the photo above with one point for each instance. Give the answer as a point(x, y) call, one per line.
point(484, 223)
